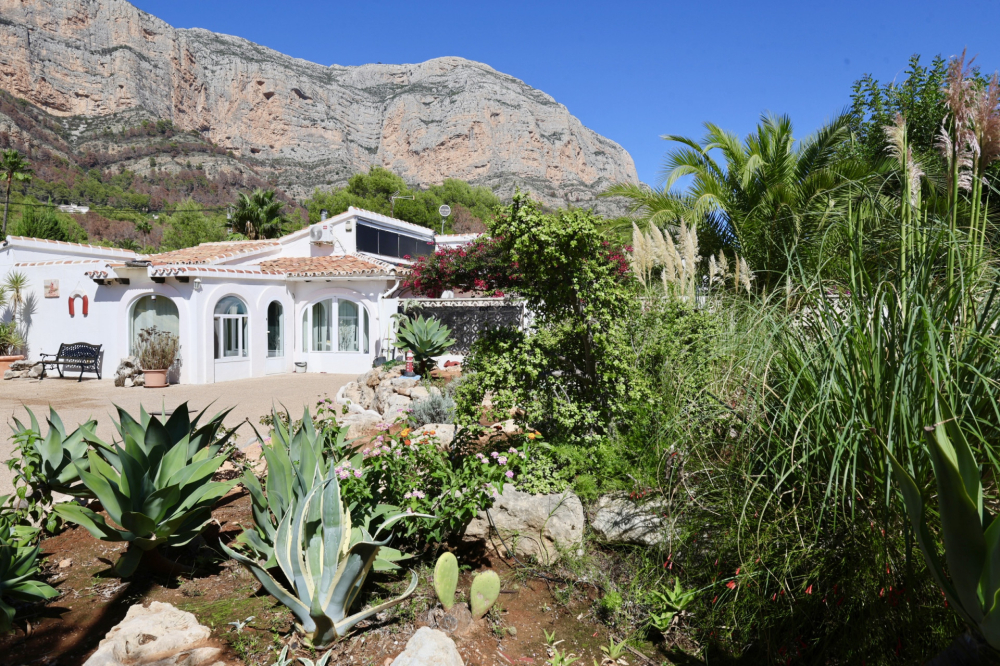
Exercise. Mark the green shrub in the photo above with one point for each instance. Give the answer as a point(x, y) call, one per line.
point(435, 408)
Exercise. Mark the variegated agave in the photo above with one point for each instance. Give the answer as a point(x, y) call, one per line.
point(326, 562)
point(296, 463)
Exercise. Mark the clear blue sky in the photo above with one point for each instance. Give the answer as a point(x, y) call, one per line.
point(631, 71)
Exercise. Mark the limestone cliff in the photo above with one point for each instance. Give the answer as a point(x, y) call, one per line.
point(303, 124)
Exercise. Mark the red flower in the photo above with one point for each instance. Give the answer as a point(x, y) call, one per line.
point(809, 590)
point(731, 585)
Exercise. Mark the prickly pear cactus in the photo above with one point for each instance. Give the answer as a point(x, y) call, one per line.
point(446, 579)
point(484, 593)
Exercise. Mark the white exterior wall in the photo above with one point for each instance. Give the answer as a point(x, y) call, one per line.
point(109, 319)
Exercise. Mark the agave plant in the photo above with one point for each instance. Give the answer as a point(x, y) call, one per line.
point(971, 534)
point(18, 566)
point(156, 486)
point(51, 461)
point(326, 561)
point(295, 465)
point(425, 339)
point(47, 464)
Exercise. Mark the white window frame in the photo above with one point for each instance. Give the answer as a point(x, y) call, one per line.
point(307, 326)
point(242, 333)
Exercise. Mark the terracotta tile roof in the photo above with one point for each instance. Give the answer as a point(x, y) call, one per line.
point(172, 270)
point(210, 253)
point(337, 265)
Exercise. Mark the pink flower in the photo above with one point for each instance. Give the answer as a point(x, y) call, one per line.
point(494, 455)
point(512, 450)
point(502, 460)
point(357, 473)
point(510, 474)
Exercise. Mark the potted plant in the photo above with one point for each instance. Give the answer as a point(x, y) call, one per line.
point(157, 351)
point(10, 343)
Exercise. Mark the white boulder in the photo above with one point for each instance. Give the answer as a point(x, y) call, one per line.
point(159, 635)
point(429, 647)
point(533, 525)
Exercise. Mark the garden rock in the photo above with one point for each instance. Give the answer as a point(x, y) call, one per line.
point(455, 622)
point(532, 525)
point(403, 382)
point(25, 370)
point(429, 647)
point(445, 433)
point(160, 635)
point(128, 369)
point(396, 405)
point(618, 519)
point(370, 378)
point(419, 393)
point(361, 424)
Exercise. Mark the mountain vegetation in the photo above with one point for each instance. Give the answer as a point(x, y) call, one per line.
point(382, 191)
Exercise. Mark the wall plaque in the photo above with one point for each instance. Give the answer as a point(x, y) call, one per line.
point(51, 288)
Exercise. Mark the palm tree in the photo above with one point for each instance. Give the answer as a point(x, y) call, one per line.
point(258, 215)
point(771, 195)
point(12, 167)
point(13, 289)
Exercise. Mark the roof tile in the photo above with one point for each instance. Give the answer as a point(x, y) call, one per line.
point(336, 265)
point(210, 253)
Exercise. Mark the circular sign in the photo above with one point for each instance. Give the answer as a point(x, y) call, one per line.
point(444, 210)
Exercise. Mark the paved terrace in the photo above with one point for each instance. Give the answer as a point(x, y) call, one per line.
point(77, 402)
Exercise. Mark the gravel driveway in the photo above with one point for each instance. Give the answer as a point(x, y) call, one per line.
point(75, 402)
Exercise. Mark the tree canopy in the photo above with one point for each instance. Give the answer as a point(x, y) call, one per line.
point(374, 191)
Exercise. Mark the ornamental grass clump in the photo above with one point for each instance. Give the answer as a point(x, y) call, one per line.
point(155, 484)
point(325, 561)
point(156, 349)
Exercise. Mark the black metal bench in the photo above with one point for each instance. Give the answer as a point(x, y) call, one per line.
point(81, 355)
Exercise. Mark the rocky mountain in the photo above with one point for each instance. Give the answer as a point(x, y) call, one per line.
point(104, 64)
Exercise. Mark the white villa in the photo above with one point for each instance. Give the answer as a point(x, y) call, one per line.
point(322, 296)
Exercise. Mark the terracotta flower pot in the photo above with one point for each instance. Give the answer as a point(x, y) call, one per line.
point(155, 378)
point(5, 362)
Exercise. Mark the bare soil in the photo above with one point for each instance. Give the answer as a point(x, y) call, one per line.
point(66, 631)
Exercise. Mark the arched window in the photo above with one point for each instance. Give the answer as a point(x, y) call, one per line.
point(275, 330)
point(154, 311)
point(230, 328)
point(351, 330)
